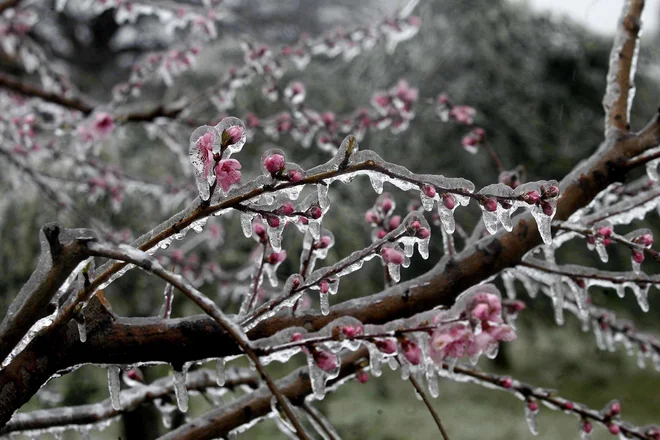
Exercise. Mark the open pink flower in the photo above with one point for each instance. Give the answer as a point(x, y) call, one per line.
point(450, 341)
point(462, 114)
point(486, 307)
point(411, 351)
point(103, 124)
point(387, 346)
point(205, 146)
point(227, 173)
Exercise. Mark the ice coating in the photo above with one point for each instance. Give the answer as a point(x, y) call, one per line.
point(180, 389)
point(204, 142)
point(114, 385)
point(234, 144)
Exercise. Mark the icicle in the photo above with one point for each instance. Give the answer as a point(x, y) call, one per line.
point(558, 301)
point(246, 223)
point(375, 360)
point(114, 386)
point(180, 389)
point(322, 190)
point(325, 304)
point(602, 251)
point(376, 182)
point(220, 372)
point(509, 284)
point(530, 417)
point(395, 271)
point(82, 331)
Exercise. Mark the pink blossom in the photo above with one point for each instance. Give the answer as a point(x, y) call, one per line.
point(371, 217)
point(387, 346)
point(274, 163)
point(227, 173)
point(551, 192)
point(547, 208)
point(486, 307)
point(638, 257)
point(423, 233)
point(352, 331)
point(463, 114)
point(429, 190)
point(646, 240)
point(277, 257)
point(532, 405)
point(392, 255)
point(231, 135)
point(387, 205)
point(259, 229)
point(381, 100)
point(450, 341)
point(532, 197)
point(273, 221)
point(205, 151)
point(103, 124)
point(605, 231)
point(614, 428)
point(381, 234)
point(395, 221)
point(324, 286)
point(287, 208)
point(506, 382)
point(411, 351)
point(325, 360)
point(323, 243)
point(315, 212)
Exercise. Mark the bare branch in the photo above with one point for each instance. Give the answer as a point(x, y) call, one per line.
point(429, 406)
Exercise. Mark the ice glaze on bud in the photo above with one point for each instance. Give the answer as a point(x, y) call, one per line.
point(429, 190)
point(614, 428)
point(392, 255)
point(362, 376)
point(547, 208)
point(638, 257)
point(605, 231)
point(296, 337)
point(323, 243)
point(315, 212)
point(587, 426)
point(387, 205)
point(326, 361)
point(551, 192)
point(295, 176)
point(395, 222)
point(227, 174)
point(506, 382)
point(490, 205)
point(646, 240)
point(381, 234)
point(324, 286)
point(287, 208)
point(371, 217)
point(532, 197)
point(411, 351)
point(231, 135)
point(387, 346)
point(273, 221)
point(448, 201)
point(277, 257)
point(352, 331)
point(532, 405)
point(274, 164)
point(259, 229)
point(615, 408)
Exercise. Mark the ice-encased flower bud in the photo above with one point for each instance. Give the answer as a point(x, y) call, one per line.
point(605, 231)
point(489, 205)
point(387, 346)
point(277, 257)
point(448, 201)
point(392, 255)
point(325, 360)
point(429, 190)
point(362, 376)
point(273, 221)
point(227, 174)
point(638, 257)
point(324, 286)
point(532, 197)
point(295, 176)
point(287, 208)
point(274, 164)
point(411, 351)
point(315, 212)
point(371, 217)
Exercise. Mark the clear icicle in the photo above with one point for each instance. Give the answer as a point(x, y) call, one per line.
point(558, 302)
point(602, 251)
point(220, 372)
point(325, 304)
point(395, 272)
point(530, 417)
point(180, 389)
point(82, 331)
point(114, 386)
point(322, 190)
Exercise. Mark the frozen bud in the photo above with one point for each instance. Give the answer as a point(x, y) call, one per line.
point(315, 212)
point(295, 176)
point(411, 351)
point(323, 243)
point(605, 231)
point(637, 256)
point(287, 208)
point(274, 163)
point(490, 205)
point(614, 428)
point(547, 208)
point(423, 233)
point(371, 217)
point(231, 135)
point(386, 205)
point(429, 190)
point(324, 286)
point(506, 382)
point(587, 426)
point(607, 241)
point(395, 222)
point(381, 234)
point(392, 255)
point(273, 221)
point(532, 405)
point(325, 360)
point(135, 374)
point(352, 331)
point(551, 192)
point(505, 204)
point(443, 99)
point(387, 346)
point(516, 305)
point(448, 201)
point(277, 257)
point(532, 197)
point(227, 174)
point(568, 406)
point(296, 337)
point(104, 124)
point(646, 240)
point(615, 408)
point(303, 220)
point(362, 376)
point(463, 114)
point(259, 229)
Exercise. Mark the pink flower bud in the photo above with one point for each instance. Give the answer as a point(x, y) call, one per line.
point(315, 212)
point(429, 190)
point(387, 346)
point(638, 257)
point(386, 206)
point(568, 406)
point(423, 233)
point(259, 229)
point(551, 192)
point(287, 208)
point(490, 205)
point(296, 337)
point(605, 231)
point(324, 286)
point(614, 429)
point(448, 201)
point(273, 221)
point(371, 217)
point(607, 241)
point(646, 240)
point(532, 197)
point(295, 176)
point(326, 361)
point(615, 408)
point(395, 222)
point(362, 376)
point(547, 208)
point(277, 257)
point(274, 163)
point(232, 135)
point(506, 382)
point(411, 351)
point(352, 331)
point(532, 405)
point(392, 255)
point(381, 234)
point(587, 426)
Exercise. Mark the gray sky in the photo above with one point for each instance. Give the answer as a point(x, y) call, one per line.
point(599, 15)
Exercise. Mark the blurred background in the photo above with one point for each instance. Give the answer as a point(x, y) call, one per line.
point(535, 72)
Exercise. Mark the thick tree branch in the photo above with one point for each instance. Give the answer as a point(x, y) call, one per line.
point(623, 60)
point(199, 380)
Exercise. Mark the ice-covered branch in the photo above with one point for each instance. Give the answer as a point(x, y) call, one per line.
point(81, 417)
point(623, 63)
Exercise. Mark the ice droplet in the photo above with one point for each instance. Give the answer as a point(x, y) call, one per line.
point(82, 332)
point(114, 386)
point(180, 389)
point(325, 304)
point(530, 417)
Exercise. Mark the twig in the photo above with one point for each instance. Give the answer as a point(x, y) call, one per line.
point(429, 406)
